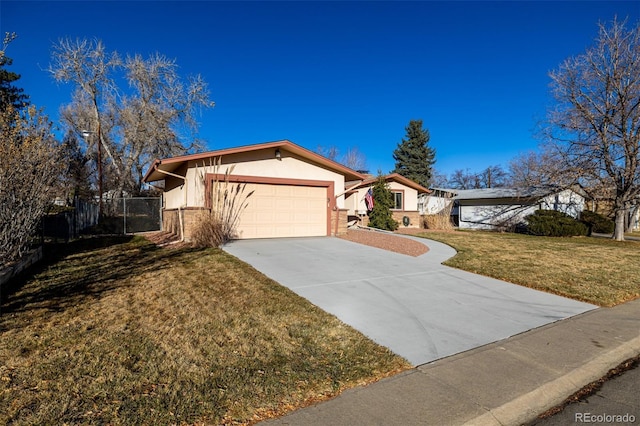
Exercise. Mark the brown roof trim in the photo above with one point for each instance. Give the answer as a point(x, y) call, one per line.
point(284, 144)
point(396, 177)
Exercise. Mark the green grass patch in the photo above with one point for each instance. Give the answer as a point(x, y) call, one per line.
point(118, 331)
point(594, 270)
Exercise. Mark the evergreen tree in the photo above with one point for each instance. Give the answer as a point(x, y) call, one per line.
point(9, 94)
point(414, 157)
point(380, 217)
point(76, 179)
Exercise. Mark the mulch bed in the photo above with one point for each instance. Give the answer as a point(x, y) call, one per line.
point(386, 241)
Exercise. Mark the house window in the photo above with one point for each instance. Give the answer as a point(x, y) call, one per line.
point(397, 201)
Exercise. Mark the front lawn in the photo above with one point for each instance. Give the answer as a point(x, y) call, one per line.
point(594, 270)
point(122, 332)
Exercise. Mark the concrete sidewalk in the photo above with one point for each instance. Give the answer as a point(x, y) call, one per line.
point(508, 382)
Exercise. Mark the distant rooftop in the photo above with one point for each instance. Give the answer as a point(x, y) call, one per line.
point(491, 193)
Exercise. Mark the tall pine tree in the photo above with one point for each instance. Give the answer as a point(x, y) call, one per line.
point(414, 157)
point(10, 95)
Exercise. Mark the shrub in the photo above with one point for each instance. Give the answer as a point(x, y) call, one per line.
point(550, 223)
point(29, 168)
point(597, 222)
point(380, 216)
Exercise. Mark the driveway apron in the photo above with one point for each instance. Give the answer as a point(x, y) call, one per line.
point(415, 306)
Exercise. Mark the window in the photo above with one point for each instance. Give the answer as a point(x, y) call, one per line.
point(397, 201)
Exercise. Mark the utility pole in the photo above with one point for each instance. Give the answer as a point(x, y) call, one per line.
point(86, 134)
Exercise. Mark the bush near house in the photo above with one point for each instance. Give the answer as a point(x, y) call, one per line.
point(551, 223)
point(380, 216)
point(597, 222)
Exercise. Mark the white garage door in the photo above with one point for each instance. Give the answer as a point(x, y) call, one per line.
point(284, 211)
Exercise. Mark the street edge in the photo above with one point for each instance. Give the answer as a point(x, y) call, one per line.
point(527, 407)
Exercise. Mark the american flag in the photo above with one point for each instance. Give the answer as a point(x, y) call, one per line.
point(368, 199)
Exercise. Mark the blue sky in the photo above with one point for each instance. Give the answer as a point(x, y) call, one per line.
point(348, 74)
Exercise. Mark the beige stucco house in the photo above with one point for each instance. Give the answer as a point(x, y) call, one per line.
point(294, 192)
point(405, 195)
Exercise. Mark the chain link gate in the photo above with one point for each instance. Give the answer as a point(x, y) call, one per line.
point(132, 215)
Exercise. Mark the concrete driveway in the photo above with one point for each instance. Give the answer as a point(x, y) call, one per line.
point(415, 306)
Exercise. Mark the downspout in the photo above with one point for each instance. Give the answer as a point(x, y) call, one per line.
point(184, 205)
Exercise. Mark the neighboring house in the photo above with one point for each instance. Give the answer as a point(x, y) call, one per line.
point(435, 202)
point(635, 219)
point(405, 196)
point(503, 208)
point(296, 192)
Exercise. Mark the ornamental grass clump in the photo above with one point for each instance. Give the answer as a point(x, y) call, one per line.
point(218, 224)
point(442, 219)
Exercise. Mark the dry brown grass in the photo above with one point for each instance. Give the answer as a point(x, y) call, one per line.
point(123, 332)
point(594, 270)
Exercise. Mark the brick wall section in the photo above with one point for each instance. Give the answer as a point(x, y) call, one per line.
point(342, 221)
point(171, 221)
point(415, 220)
point(190, 217)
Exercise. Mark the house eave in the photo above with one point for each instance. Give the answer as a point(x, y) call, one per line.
point(173, 163)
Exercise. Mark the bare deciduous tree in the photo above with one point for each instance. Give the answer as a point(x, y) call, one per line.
point(532, 169)
point(595, 126)
point(439, 179)
point(353, 158)
point(29, 157)
point(493, 177)
point(152, 116)
point(464, 179)
point(332, 152)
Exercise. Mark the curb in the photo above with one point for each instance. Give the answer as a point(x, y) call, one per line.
point(527, 407)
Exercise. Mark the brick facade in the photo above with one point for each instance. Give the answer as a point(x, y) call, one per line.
point(415, 220)
point(171, 220)
point(342, 221)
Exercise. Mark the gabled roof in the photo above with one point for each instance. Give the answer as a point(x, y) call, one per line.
point(393, 176)
point(172, 164)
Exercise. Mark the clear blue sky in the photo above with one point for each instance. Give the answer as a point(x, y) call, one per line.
point(349, 74)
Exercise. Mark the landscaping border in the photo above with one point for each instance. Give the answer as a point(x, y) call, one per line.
point(29, 259)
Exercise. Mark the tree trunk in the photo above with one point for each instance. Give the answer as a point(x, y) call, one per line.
point(618, 232)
